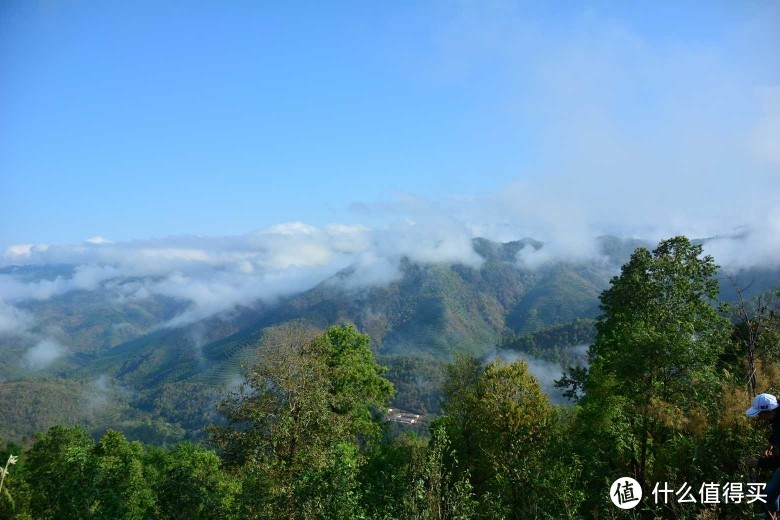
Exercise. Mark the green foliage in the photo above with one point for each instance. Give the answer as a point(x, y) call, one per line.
point(15, 496)
point(330, 490)
point(390, 469)
point(357, 388)
point(506, 441)
point(561, 293)
point(184, 403)
point(408, 478)
point(189, 484)
point(416, 380)
point(38, 405)
point(293, 429)
point(660, 309)
point(434, 492)
point(93, 321)
point(55, 471)
point(655, 406)
point(306, 390)
point(70, 477)
point(663, 400)
point(461, 416)
point(554, 343)
point(752, 356)
point(115, 470)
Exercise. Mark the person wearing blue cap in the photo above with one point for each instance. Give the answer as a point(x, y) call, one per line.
point(765, 408)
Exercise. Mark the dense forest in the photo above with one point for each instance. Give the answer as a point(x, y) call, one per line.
point(661, 398)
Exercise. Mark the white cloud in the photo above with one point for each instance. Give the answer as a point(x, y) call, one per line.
point(753, 247)
point(43, 354)
point(20, 252)
point(98, 240)
point(216, 274)
point(13, 320)
point(85, 277)
point(292, 229)
point(372, 270)
point(619, 131)
point(96, 396)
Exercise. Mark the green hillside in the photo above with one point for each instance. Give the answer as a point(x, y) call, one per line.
point(171, 377)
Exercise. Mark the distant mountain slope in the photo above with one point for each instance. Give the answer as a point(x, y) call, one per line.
point(169, 378)
point(432, 310)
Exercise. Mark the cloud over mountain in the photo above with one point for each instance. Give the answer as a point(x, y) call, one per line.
point(216, 274)
point(601, 127)
point(43, 354)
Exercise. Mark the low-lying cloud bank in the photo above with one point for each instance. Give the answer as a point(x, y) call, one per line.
point(754, 247)
point(43, 354)
point(217, 274)
point(12, 319)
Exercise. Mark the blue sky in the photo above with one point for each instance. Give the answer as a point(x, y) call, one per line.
point(154, 119)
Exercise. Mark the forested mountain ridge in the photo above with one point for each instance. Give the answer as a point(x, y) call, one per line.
point(126, 369)
point(306, 436)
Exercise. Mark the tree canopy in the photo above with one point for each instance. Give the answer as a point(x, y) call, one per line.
point(662, 400)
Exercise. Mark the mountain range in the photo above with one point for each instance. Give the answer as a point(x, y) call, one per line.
point(121, 363)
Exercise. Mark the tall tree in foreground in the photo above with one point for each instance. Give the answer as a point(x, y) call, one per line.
point(71, 477)
point(294, 429)
point(506, 439)
point(652, 380)
point(189, 484)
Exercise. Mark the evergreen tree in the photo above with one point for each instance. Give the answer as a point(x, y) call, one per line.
point(71, 477)
point(652, 383)
point(294, 429)
point(189, 484)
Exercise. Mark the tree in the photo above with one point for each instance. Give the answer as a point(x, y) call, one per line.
point(189, 484)
point(505, 437)
point(59, 485)
point(756, 338)
point(357, 389)
point(652, 380)
point(117, 478)
point(71, 477)
point(658, 326)
point(308, 399)
point(408, 477)
point(461, 416)
point(515, 426)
